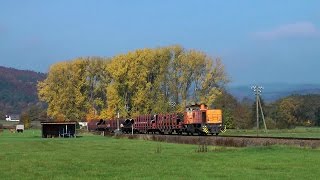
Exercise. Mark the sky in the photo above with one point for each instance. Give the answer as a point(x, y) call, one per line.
point(259, 41)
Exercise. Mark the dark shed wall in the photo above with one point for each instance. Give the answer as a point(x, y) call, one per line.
point(58, 130)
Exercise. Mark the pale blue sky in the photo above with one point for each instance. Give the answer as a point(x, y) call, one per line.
point(258, 40)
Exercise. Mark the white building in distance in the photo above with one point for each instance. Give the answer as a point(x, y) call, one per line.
point(15, 118)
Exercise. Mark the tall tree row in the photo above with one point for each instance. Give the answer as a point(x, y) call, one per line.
point(139, 82)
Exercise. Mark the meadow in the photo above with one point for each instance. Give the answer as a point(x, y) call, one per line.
point(28, 156)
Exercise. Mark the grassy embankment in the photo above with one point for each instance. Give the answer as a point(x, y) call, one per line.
point(27, 156)
point(303, 132)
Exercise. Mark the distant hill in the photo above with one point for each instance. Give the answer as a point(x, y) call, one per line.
point(18, 89)
point(273, 92)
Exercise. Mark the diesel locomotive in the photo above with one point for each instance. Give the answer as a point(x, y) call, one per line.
point(196, 119)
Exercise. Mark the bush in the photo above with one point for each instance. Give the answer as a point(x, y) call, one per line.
point(270, 123)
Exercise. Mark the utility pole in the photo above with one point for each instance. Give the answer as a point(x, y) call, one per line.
point(257, 91)
point(257, 112)
point(264, 122)
point(118, 116)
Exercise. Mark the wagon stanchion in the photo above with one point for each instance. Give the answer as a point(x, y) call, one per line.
point(118, 116)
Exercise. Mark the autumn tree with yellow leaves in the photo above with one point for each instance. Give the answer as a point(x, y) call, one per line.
point(139, 82)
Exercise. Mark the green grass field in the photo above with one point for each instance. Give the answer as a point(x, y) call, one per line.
point(303, 132)
point(27, 156)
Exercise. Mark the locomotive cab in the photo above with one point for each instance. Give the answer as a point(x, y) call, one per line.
point(195, 114)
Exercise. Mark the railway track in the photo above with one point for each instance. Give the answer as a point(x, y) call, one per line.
point(232, 141)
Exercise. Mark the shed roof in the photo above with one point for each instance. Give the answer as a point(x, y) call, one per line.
point(73, 122)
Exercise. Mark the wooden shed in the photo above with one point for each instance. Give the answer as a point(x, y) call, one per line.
point(58, 129)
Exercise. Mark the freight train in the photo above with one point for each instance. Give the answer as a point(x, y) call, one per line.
point(196, 119)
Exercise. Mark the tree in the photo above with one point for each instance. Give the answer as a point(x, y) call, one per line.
point(235, 114)
point(96, 81)
point(2, 115)
point(286, 113)
point(73, 88)
point(242, 117)
point(25, 118)
point(62, 90)
point(228, 104)
point(296, 110)
point(317, 115)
